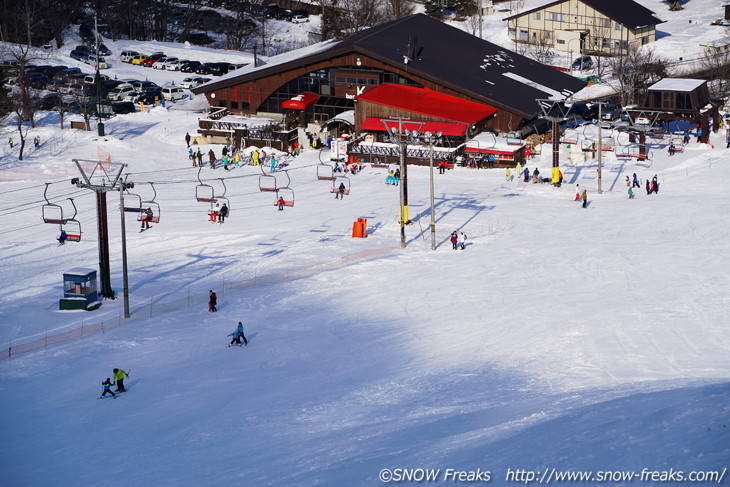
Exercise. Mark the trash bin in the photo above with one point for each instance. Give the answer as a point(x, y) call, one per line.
point(360, 228)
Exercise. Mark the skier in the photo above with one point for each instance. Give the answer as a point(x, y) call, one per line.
point(36, 141)
point(685, 137)
point(225, 163)
point(636, 184)
point(280, 203)
point(699, 135)
point(191, 156)
point(396, 177)
point(631, 193)
point(62, 238)
point(648, 187)
point(211, 157)
point(628, 182)
point(272, 167)
point(526, 174)
point(255, 157)
point(655, 184)
point(108, 388)
point(584, 196)
point(454, 239)
point(119, 375)
point(187, 138)
point(10, 141)
point(223, 213)
point(238, 335)
point(200, 157)
point(224, 151)
point(577, 192)
point(213, 214)
point(340, 192)
point(389, 178)
point(442, 167)
point(463, 241)
point(507, 175)
point(535, 176)
point(212, 302)
point(728, 138)
point(671, 148)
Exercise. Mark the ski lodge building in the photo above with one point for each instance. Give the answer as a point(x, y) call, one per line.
point(416, 67)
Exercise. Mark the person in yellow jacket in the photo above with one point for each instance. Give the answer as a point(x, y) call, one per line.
point(119, 375)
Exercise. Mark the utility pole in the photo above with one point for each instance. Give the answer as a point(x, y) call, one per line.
point(125, 279)
point(101, 177)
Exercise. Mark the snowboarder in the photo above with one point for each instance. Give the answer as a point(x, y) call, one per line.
point(62, 238)
point(108, 388)
point(340, 192)
point(187, 138)
point(238, 335)
point(223, 213)
point(584, 197)
point(454, 239)
point(119, 375)
point(146, 218)
point(212, 302)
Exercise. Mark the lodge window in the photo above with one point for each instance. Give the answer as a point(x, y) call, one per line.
point(683, 101)
point(560, 41)
point(523, 35)
point(617, 26)
point(555, 16)
point(645, 40)
point(536, 16)
point(604, 23)
point(604, 43)
point(667, 100)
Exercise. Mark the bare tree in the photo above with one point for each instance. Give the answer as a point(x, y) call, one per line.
point(357, 15)
point(397, 9)
point(715, 63)
point(635, 71)
point(541, 49)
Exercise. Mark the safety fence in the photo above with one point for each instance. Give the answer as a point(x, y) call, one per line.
point(44, 340)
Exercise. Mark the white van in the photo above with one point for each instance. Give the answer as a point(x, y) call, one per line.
point(126, 56)
point(173, 93)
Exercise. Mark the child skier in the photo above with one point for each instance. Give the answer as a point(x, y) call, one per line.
point(108, 388)
point(631, 193)
point(238, 335)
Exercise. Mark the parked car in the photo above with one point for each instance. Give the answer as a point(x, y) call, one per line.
point(582, 62)
point(201, 81)
point(71, 88)
point(171, 64)
point(94, 61)
point(189, 66)
point(79, 56)
point(625, 112)
point(122, 107)
point(577, 110)
point(299, 19)
point(89, 78)
point(189, 82)
point(138, 59)
point(205, 68)
point(611, 111)
point(152, 59)
point(48, 101)
point(149, 98)
point(104, 51)
point(36, 80)
point(127, 56)
point(173, 93)
point(83, 49)
point(143, 85)
point(118, 93)
point(219, 69)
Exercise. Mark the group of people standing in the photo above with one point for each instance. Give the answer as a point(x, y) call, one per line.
point(455, 242)
point(393, 177)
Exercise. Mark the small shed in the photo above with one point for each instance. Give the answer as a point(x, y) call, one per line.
point(507, 152)
point(79, 289)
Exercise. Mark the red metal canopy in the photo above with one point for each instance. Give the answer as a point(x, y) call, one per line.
point(428, 102)
point(302, 101)
point(446, 128)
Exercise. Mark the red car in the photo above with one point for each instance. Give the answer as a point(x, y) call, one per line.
point(151, 60)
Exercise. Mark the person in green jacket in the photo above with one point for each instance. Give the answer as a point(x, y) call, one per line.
point(119, 379)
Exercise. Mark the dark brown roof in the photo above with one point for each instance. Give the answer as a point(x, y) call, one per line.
point(440, 53)
point(626, 12)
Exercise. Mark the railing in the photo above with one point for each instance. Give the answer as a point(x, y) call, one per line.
point(42, 341)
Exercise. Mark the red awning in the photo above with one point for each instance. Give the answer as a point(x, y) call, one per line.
point(301, 101)
point(446, 128)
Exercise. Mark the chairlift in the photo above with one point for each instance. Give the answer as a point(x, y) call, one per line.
point(204, 193)
point(267, 182)
point(53, 212)
point(222, 197)
point(325, 172)
point(135, 204)
point(287, 194)
point(152, 204)
point(336, 184)
point(73, 234)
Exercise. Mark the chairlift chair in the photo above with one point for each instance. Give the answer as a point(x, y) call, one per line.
point(287, 194)
point(53, 212)
point(135, 205)
point(73, 234)
point(150, 204)
point(325, 172)
point(222, 197)
point(336, 184)
point(267, 182)
point(204, 193)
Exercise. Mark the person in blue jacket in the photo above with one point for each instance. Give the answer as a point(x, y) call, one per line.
point(238, 335)
point(526, 173)
point(108, 388)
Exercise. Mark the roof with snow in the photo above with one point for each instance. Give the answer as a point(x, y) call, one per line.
point(437, 52)
point(677, 84)
point(427, 102)
point(627, 12)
